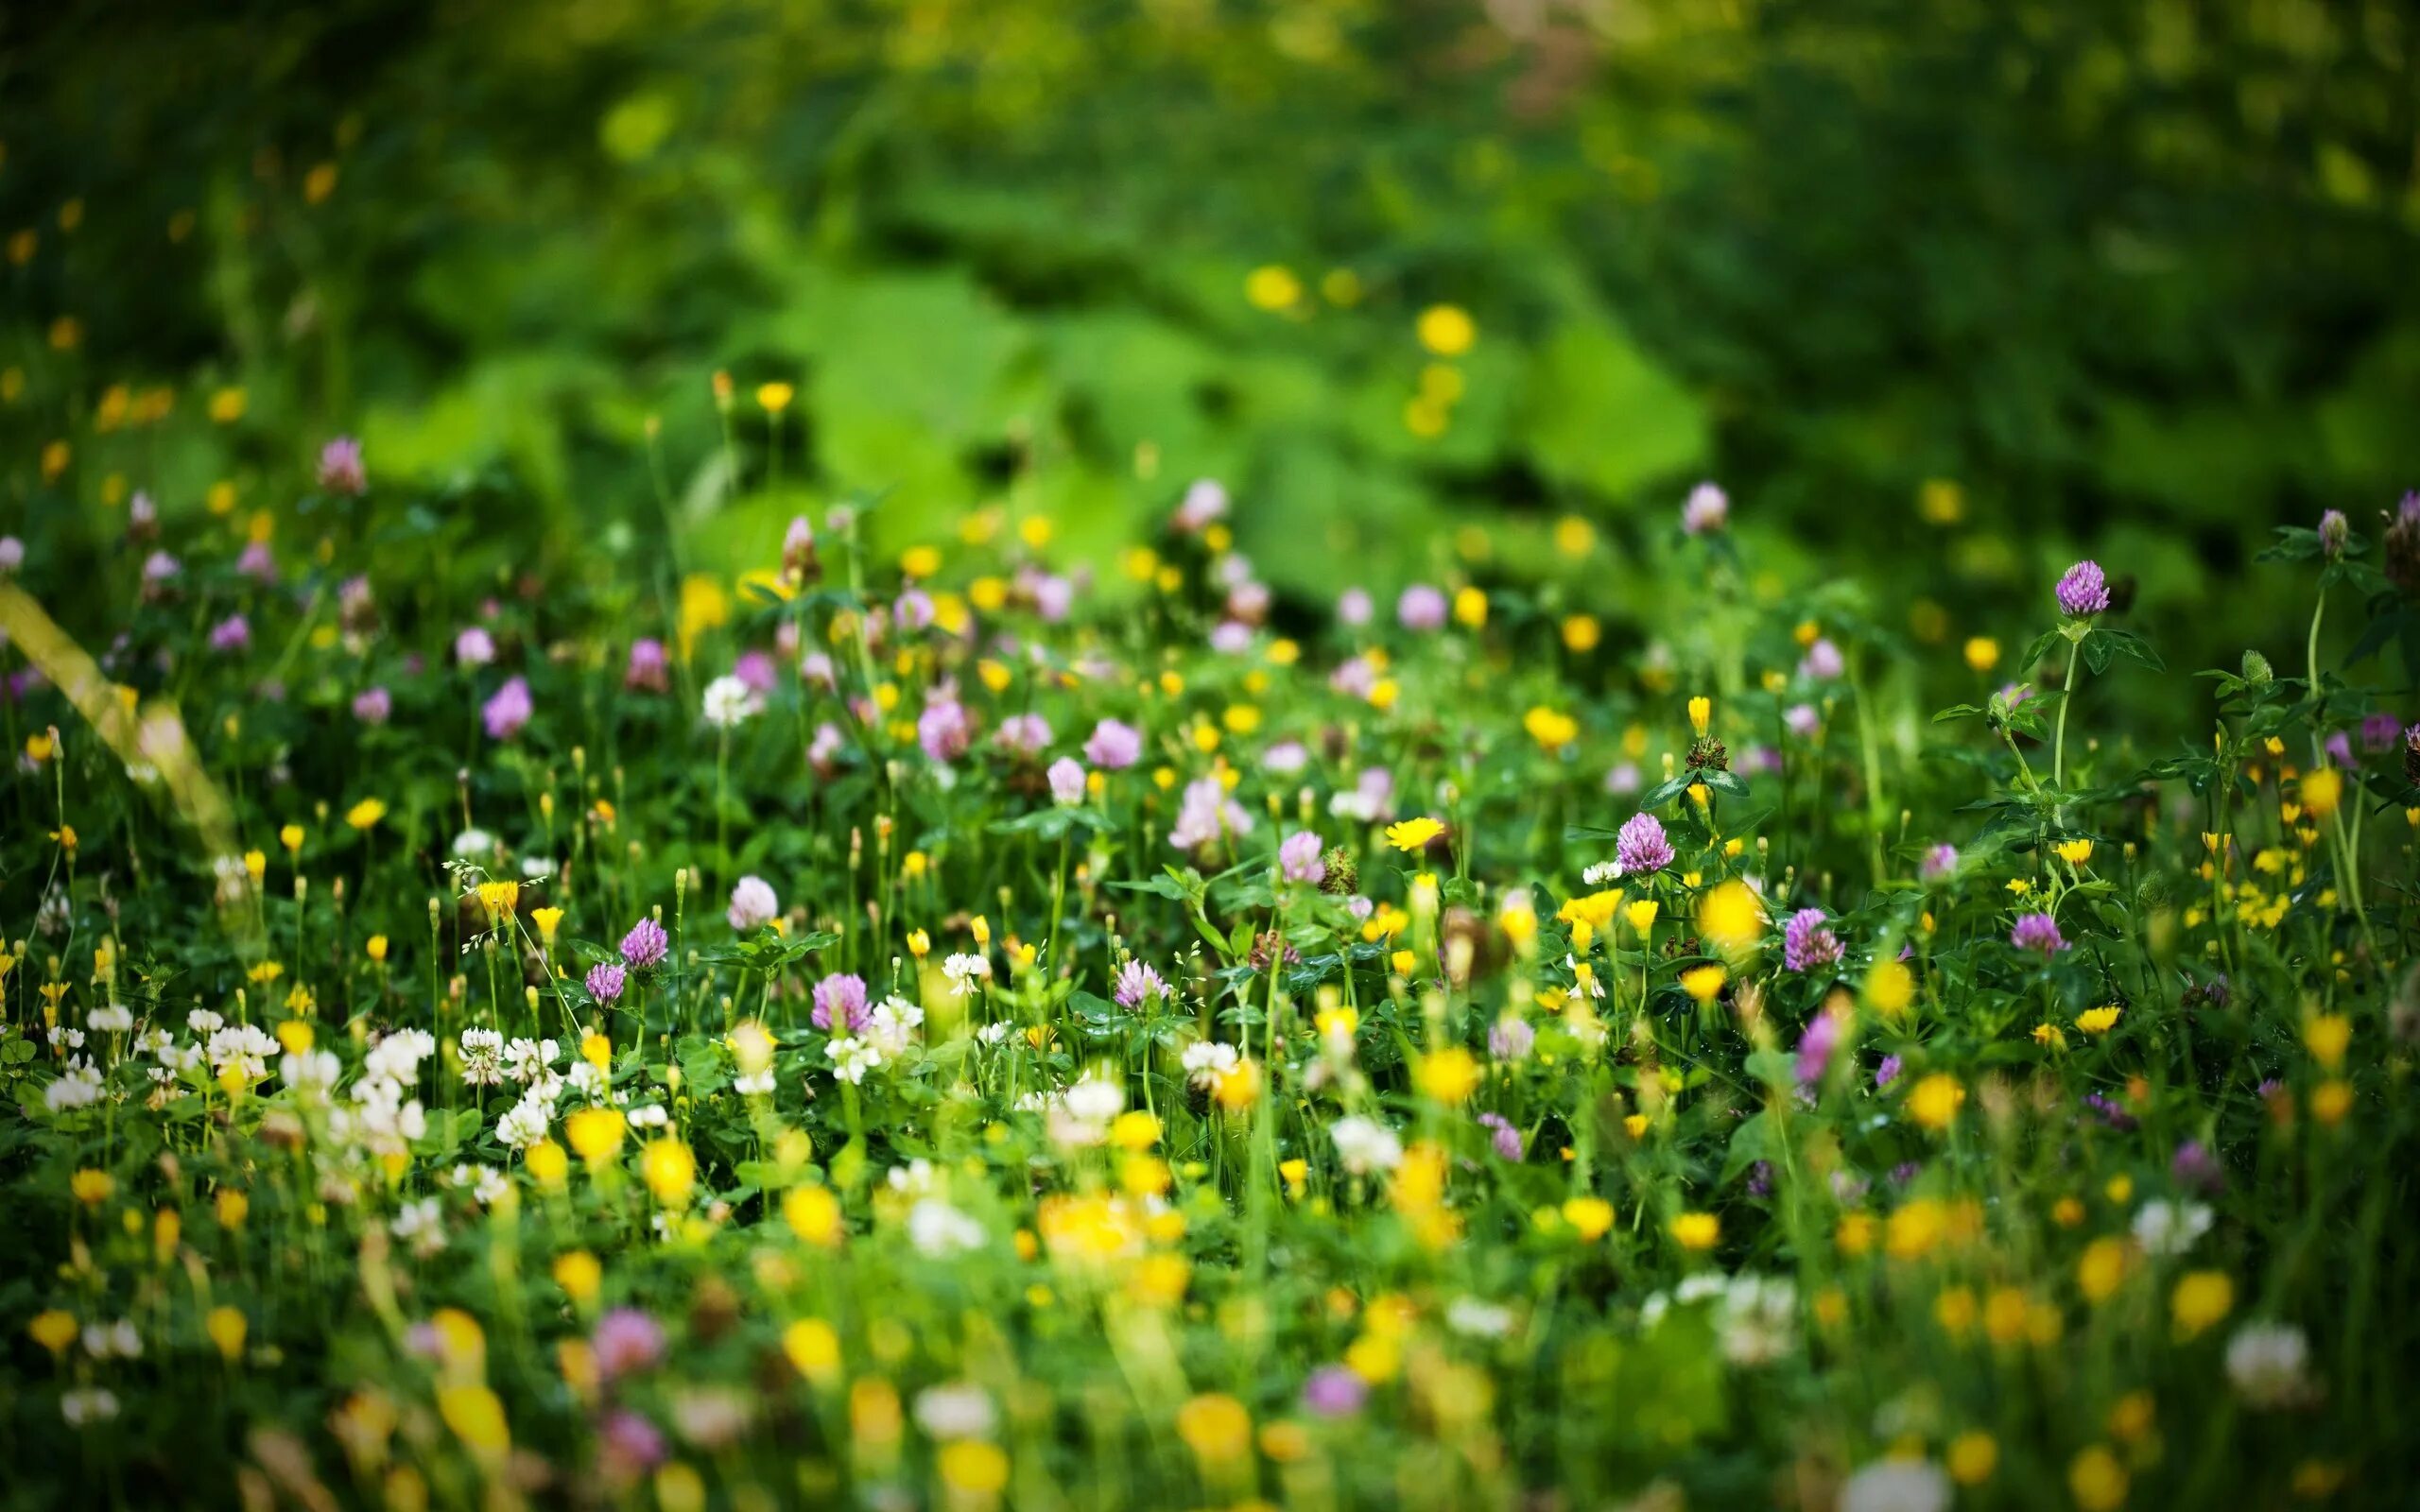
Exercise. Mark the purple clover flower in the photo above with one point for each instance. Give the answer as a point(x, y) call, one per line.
point(645, 945)
point(605, 982)
point(626, 1341)
point(1334, 1391)
point(840, 998)
point(2082, 591)
point(2037, 932)
point(1136, 985)
point(372, 706)
point(1421, 608)
point(1299, 858)
point(1640, 845)
point(1805, 944)
point(340, 468)
point(1115, 745)
point(510, 708)
point(1507, 1140)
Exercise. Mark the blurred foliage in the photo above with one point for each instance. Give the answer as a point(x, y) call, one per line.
point(1941, 288)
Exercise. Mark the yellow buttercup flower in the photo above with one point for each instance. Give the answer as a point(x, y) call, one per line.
point(1696, 1230)
point(1413, 834)
point(366, 813)
point(670, 1170)
point(1447, 330)
point(1934, 1101)
point(1450, 1074)
point(595, 1133)
point(226, 1327)
point(2201, 1298)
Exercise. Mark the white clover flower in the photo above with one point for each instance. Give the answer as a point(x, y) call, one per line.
point(961, 1410)
point(78, 1086)
point(204, 1021)
point(114, 1018)
point(481, 1052)
point(525, 1123)
point(527, 1060)
point(936, 1229)
point(728, 702)
point(1365, 1145)
point(1206, 1062)
point(2168, 1230)
point(86, 1405)
point(851, 1057)
point(1897, 1485)
point(2268, 1363)
point(753, 1084)
point(652, 1115)
point(1476, 1319)
point(964, 971)
point(421, 1225)
point(891, 1026)
point(310, 1070)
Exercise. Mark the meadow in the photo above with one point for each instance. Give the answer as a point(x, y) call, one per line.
point(889, 845)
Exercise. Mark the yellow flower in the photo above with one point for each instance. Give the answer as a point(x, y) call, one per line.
point(814, 1215)
point(774, 397)
point(1701, 714)
point(973, 1468)
point(1983, 653)
point(2322, 790)
point(547, 920)
point(547, 1162)
point(813, 1348)
point(1696, 1230)
point(1413, 834)
point(580, 1274)
point(2097, 1480)
point(500, 900)
point(290, 838)
point(1581, 633)
point(1972, 1458)
point(1704, 983)
point(476, 1418)
point(2102, 1268)
point(226, 1327)
point(2202, 1297)
point(1450, 1074)
point(1591, 1219)
point(54, 1330)
point(1934, 1101)
point(1470, 608)
point(1642, 914)
point(2327, 1035)
point(2076, 852)
point(2330, 1101)
point(230, 1206)
point(1731, 919)
point(1273, 288)
point(1216, 1427)
point(1550, 730)
point(1889, 987)
point(366, 813)
point(376, 946)
point(670, 1170)
point(595, 1133)
point(2099, 1020)
point(92, 1187)
point(1447, 330)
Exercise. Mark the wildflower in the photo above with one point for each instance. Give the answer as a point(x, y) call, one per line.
point(1364, 1146)
point(1696, 1230)
point(1704, 983)
point(2201, 1298)
point(1446, 330)
point(1706, 509)
point(1115, 745)
point(2076, 852)
point(2321, 790)
point(1216, 1427)
point(2038, 932)
point(340, 470)
point(1731, 917)
point(1934, 1101)
point(2266, 1364)
point(605, 982)
point(753, 904)
point(2097, 1480)
point(1806, 944)
point(1449, 1075)
point(508, 711)
point(1983, 653)
point(595, 1133)
point(1334, 1391)
point(1411, 836)
point(364, 814)
point(1136, 985)
point(1896, 1485)
point(2335, 531)
point(1208, 815)
point(1299, 858)
point(625, 1342)
point(1640, 845)
point(474, 648)
point(670, 1170)
point(943, 730)
point(728, 702)
point(840, 1002)
point(2082, 592)
point(2098, 1021)
point(963, 972)
point(645, 945)
point(1421, 608)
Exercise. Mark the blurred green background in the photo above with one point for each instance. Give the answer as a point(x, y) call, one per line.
point(1943, 291)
